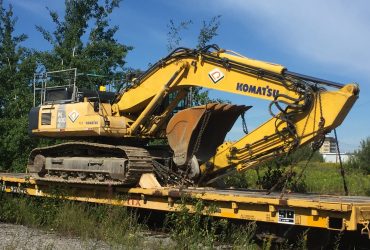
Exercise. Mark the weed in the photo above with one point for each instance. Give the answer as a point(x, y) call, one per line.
point(242, 236)
point(114, 225)
point(302, 241)
point(197, 229)
point(318, 177)
point(337, 240)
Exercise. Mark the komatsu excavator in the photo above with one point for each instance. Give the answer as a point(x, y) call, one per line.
point(111, 131)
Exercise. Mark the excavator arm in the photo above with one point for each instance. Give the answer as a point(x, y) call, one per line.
point(302, 109)
point(283, 133)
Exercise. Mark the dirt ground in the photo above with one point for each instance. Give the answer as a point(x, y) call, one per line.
point(22, 237)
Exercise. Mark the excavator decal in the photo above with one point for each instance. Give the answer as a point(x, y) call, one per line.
point(265, 91)
point(216, 75)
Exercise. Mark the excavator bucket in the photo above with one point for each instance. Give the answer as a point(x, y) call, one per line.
point(200, 130)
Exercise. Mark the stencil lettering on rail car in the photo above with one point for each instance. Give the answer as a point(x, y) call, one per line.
point(286, 216)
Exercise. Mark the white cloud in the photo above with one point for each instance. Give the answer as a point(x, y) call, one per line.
point(31, 6)
point(37, 7)
point(334, 32)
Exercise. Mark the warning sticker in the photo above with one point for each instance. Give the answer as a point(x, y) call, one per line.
point(286, 216)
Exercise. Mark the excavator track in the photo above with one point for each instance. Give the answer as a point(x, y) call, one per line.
point(133, 163)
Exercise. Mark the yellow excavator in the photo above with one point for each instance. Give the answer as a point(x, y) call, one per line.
point(111, 131)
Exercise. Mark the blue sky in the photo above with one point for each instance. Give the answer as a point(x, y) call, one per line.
point(326, 39)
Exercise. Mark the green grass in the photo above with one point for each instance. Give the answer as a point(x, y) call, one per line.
point(115, 225)
point(196, 231)
point(120, 227)
point(318, 177)
point(325, 178)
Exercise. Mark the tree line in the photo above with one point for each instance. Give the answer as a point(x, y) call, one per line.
point(100, 53)
point(83, 38)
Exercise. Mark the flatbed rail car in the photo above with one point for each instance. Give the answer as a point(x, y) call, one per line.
point(347, 213)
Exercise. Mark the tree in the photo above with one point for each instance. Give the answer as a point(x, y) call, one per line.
point(206, 34)
point(197, 95)
point(361, 158)
point(99, 54)
point(173, 35)
point(208, 31)
point(17, 65)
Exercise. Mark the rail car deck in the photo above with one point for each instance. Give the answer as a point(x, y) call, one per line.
point(349, 213)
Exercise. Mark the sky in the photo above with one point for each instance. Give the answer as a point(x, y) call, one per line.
point(326, 39)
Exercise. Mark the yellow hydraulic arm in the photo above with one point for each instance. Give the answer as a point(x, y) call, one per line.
point(302, 110)
point(218, 70)
point(277, 136)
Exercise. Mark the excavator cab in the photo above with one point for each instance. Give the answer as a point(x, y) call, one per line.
point(57, 91)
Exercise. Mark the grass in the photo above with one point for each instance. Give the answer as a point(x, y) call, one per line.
point(318, 177)
point(115, 225)
point(325, 178)
point(195, 231)
point(120, 227)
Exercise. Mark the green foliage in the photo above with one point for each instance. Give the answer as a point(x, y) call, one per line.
point(117, 226)
point(303, 154)
point(361, 157)
point(280, 173)
point(191, 231)
point(99, 54)
point(15, 144)
point(238, 180)
point(197, 95)
point(208, 31)
point(242, 236)
point(201, 97)
point(17, 65)
point(121, 228)
point(278, 178)
point(318, 177)
point(197, 229)
point(325, 178)
point(173, 35)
